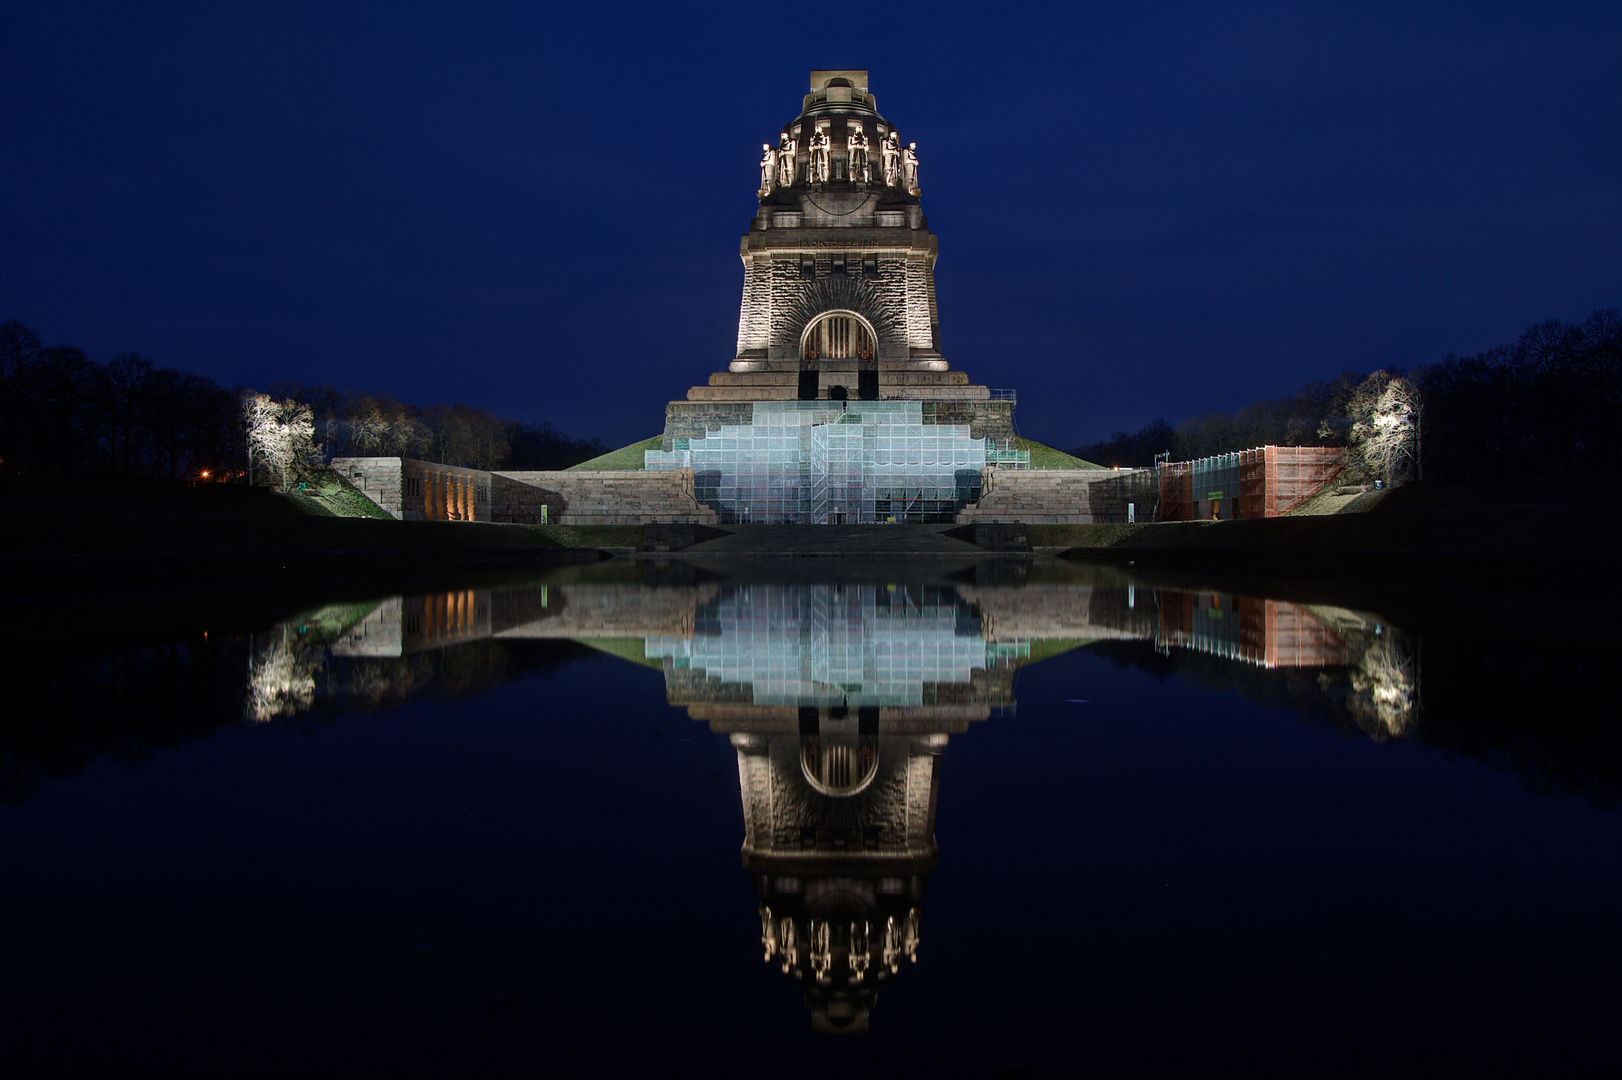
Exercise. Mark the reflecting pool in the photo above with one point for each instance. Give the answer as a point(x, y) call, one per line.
point(992, 816)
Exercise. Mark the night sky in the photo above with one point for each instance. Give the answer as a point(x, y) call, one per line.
point(536, 207)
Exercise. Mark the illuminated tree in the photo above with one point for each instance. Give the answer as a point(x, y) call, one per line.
point(1386, 412)
point(281, 436)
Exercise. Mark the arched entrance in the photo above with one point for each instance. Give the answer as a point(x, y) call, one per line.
point(839, 335)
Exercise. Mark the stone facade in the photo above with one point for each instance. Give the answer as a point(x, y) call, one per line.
point(414, 490)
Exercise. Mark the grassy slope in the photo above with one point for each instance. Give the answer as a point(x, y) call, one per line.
point(631, 649)
point(626, 457)
point(1045, 457)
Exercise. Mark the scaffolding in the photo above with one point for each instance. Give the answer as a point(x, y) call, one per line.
point(1267, 633)
point(829, 645)
point(1268, 481)
point(837, 462)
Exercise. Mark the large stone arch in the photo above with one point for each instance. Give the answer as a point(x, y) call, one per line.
point(849, 293)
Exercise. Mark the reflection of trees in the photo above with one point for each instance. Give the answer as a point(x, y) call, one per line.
point(1514, 706)
point(1384, 683)
point(281, 675)
point(295, 674)
point(66, 706)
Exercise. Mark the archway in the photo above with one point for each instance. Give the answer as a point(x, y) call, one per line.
point(839, 335)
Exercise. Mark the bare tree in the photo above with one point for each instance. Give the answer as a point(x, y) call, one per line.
point(368, 429)
point(281, 436)
point(1385, 411)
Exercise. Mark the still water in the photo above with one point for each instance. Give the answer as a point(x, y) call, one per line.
point(959, 819)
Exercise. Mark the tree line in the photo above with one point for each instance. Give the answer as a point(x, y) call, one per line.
point(1550, 401)
point(62, 412)
point(350, 424)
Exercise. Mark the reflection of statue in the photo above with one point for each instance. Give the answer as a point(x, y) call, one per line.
point(890, 159)
point(837, 762)
point(861, 167)
point(785, 160)
point(839, 839)
point(768, 170)
point(819, 156)
point(909, 169)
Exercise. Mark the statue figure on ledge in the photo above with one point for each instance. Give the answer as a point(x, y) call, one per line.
point(909, 169)
point(861, 166)
point(785, 160)
point(890, 159)
point(819, 156)
point(768, 170)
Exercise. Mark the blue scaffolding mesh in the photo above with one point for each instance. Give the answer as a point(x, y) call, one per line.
point(836, 645)
point(831, 462)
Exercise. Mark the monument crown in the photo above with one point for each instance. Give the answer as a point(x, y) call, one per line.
point(835, 88)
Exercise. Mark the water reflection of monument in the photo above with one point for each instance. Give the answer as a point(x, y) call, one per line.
point(839, 699)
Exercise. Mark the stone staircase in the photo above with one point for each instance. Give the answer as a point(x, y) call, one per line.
point(847, 540)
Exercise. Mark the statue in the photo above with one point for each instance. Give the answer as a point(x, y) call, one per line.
point(768, 169)
point(819, 156)
point(909, 169)
point(890, 159)
point(785, 160)
point(861, 167)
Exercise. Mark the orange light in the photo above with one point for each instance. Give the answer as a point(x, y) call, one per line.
point(205, 474)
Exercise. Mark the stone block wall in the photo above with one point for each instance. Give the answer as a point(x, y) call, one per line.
point(414, 490)
point(1059, 496)
point(628, 497)
point(434, 492)
point(425, 491)
point(1140, 487)
point(694, 419)
point(377, 478)
point(984, 419)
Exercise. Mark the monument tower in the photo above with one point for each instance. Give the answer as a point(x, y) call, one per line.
point(838, 386)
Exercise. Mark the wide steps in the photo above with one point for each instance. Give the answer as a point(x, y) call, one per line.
point(849, 540)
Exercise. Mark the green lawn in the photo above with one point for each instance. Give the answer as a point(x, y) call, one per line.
point(1045, 457)
point(626, 457)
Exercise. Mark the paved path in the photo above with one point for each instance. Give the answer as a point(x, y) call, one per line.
point(835, 540)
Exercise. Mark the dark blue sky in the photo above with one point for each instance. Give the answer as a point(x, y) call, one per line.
point(536, 208)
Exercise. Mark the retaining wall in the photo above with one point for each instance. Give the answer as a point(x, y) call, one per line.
point(625, 497)
point(414, 490)
point(1062, 496)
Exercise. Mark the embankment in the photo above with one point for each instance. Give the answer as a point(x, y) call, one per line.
point(92, 527)
point(1540, 529)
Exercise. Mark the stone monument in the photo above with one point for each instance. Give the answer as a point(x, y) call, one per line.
point(838, 387)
